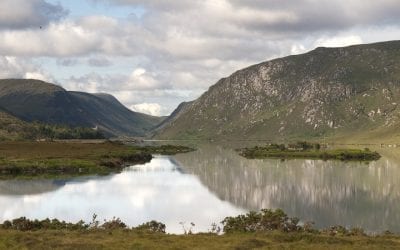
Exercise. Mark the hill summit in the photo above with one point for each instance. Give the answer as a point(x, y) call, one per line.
point(349, 92)
point(34, 100)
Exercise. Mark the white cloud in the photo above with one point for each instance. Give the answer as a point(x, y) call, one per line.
point(339, 41)
point(180, 48)
point(38, 76)
point(140, 79)
point(297, 49)
point(13, 67)
point(148, 108)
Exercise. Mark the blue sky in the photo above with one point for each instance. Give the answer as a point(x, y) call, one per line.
point(154, 54)
point(79, 8)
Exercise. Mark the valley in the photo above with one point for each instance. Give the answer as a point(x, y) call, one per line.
point(308, 133)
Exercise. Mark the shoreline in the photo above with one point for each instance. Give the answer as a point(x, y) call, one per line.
point(265, 229)
point(59, 159)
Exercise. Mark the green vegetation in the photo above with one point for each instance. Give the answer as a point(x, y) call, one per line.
point(267, 229)
point(335, 93)
point(34, 100)
point(308, 151)
point(24, 224)
point(13, 129)
point(60, 132)
point(27, 159)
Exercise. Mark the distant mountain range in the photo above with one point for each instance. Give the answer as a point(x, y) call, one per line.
point(350, 93)
point(33, 100)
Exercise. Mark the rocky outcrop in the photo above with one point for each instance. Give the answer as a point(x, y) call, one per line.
point(326, 92)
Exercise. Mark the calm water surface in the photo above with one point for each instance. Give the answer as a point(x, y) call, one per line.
point(214, 182)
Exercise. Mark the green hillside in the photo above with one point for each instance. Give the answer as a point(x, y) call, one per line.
point(14, 129)
point(349, 93)
point(33, 100)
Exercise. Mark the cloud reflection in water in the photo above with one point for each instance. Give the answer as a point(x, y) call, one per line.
point(154, 191)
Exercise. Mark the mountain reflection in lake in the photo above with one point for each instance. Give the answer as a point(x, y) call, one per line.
point(214, 182)
point(326, 192)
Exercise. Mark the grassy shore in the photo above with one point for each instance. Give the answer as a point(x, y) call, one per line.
point(128, 239)
point(308, 151)
point(26, 159)
point(265, 230)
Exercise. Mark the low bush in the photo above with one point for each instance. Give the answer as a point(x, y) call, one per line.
point(266, 220)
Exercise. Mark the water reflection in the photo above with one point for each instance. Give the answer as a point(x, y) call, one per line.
point(214, 182)
point(26, 187)
point(153, 191)
point(329, 193)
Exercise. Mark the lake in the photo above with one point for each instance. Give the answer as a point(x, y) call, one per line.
point(213, 182)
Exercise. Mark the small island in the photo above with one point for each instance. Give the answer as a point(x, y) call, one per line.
point(61, 159)
point(306, 150)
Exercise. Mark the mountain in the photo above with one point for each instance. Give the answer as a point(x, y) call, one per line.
point(12, 128)
point(346, 93)
point(168, 121)
point(34, 100)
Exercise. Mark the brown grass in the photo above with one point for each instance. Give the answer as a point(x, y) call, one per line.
point(127, 239)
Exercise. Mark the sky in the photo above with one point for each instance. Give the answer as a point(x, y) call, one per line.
point(154, 54)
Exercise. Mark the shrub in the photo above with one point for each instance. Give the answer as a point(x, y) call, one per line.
point(115, 223)
point(152, 227)
point(266, 220)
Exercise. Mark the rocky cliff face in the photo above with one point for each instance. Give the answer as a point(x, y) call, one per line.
point(326, 92)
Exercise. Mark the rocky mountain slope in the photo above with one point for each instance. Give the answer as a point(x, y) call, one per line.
point(33, 100)
point(328, 92)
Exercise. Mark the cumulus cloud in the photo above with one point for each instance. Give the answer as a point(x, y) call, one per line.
point(21, 14)
point(12, 67)
point(179, 48)
point(64, 39)
point(38, 76)
point(148, 108)
point(273, 16)
point(327, 14)
point(81, 37)
point(131, 94)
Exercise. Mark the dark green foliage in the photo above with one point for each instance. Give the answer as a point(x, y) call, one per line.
point(65, 132)
point(113, 224)
point(152, 227)
point(24, 224)
point(304, 146)
point(310, 151)
point(11, 128)
point(277, 220)
point(117, 160)
point(266, 220)
point(166, 149)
